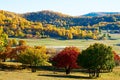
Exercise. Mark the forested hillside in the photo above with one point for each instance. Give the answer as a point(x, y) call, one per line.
point(49, 17)
point(95, 14)
point(60, 19)
point(16, 26)
point(57, 25)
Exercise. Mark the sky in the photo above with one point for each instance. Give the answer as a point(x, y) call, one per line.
point(70, 7)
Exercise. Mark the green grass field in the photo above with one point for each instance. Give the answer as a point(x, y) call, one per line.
point(81, 43)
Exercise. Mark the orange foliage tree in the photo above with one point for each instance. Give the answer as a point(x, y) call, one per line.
point(15, 51)
point(5, 54)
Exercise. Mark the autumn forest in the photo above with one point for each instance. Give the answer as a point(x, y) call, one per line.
point(46, 24)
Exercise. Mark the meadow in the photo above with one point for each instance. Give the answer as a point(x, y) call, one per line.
point(50, 75)
point(81, 43)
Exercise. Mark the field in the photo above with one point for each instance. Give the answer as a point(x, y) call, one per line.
point(43, 74)
point(81, 43)
point(50, 75)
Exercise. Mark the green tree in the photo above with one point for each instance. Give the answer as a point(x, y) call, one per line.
point(95, 58)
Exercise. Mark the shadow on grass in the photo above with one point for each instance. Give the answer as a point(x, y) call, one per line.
point(66, 76)
point(117, 44)
point(51, 68)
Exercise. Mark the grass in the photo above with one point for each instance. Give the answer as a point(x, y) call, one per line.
point(50, 75)
point(81, 43)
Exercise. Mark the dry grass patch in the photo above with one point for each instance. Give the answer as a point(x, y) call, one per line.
point(50, 75)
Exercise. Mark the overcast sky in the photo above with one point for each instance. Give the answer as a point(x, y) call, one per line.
point(71, 7)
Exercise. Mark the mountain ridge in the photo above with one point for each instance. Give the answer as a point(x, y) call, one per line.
point(95, 14)
point(59, 19)
point(91, 14)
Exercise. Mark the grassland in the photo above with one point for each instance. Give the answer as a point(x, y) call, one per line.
point(81, 43)
point(75, 75)
point(50, 75)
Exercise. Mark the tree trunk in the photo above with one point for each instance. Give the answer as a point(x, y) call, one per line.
point(89, 73)
point(3, 60)
point(97, 73)
point(11, 59)
point(33, 68)
point(68, 70)
point(92, 73)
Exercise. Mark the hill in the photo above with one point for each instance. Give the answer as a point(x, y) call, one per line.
point(95, 14)
point(48, 17)
point(59, 19)
point(56, 25)
point(16, 26)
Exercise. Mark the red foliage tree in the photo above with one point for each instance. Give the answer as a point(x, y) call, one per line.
point(66, 59)
point(116, 58)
